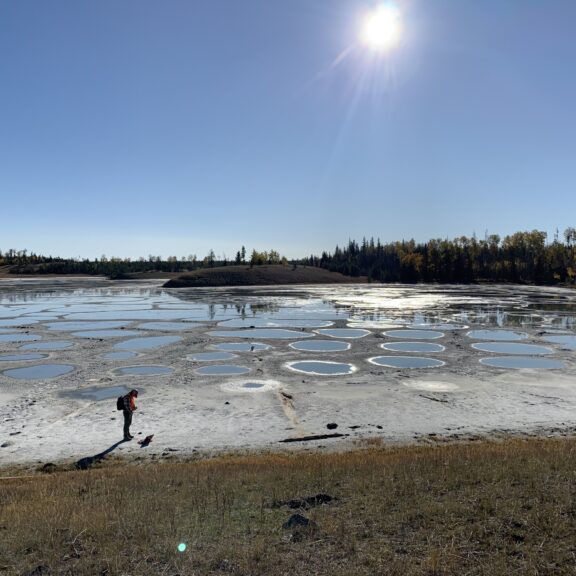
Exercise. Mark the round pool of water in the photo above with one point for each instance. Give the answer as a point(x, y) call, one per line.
point(504, 335)
point(351, 333)
point(56, 345)
point(211, 356)
point(15, 322)
point(320, 346)
point(40, 371)
point(144, 370)
point(566, 340)
point(119, 355)
point(511, 348)
point(105, 333)
point(241, 346)
point(221, 370)
point(21, 357)
point(414, 334)
point(406, 362)
point(322, 367)
point(11, 337)
point(520, 362)
point(147, 343)
point(420, 347)
point(264, 333)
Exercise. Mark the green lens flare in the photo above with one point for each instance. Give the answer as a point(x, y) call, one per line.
point(181, 547)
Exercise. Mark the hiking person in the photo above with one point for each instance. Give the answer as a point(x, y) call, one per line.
point(129, 406)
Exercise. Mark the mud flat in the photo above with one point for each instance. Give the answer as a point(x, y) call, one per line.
point(47, 419)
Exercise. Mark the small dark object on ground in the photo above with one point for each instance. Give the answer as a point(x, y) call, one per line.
point(332, 426)
point(297, 521)
point(305, 503)
point(315, 437)
point(49, 468)
point(146, 441)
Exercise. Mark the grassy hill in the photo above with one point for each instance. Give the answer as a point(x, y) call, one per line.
point(259, 276)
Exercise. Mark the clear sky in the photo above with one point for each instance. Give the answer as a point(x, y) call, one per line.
point(171, 127)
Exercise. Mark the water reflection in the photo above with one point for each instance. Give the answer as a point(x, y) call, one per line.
point(406, 362)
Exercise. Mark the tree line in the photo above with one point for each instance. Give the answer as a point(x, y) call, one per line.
point(523, 257)
point(24, 262)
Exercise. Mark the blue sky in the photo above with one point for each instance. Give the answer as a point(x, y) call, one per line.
point(137, 127)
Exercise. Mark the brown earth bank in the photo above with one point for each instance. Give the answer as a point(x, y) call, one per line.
point(484, 508)
point(266, 275)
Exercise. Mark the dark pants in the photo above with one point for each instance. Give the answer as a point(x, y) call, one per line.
point(127, 422)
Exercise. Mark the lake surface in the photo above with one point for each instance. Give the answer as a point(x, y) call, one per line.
point(106, 322)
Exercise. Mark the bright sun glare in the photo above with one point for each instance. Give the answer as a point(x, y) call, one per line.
point(382, 28)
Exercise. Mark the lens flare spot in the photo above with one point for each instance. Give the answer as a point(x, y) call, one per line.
point(182, 547)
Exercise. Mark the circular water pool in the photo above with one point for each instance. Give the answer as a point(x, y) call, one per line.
point(105, 333)
point(274, 323)
point(21, 357)
point(406, 362)
point(147, 343)
point(352, 333)
point(222, 370)
point(12, 337)
point(250, 386)
point(414, 334)
point(40, 371)
point(519, 362)
point(59, 345)
point(420, 347)
point(504, 335)
point(211, 356)
point(565, 340)
point(322, 367)
point(320, 346)
point(511, 348)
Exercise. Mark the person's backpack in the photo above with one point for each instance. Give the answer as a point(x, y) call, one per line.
point(120, 403)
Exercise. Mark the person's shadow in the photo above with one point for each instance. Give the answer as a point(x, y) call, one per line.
point(89, 461)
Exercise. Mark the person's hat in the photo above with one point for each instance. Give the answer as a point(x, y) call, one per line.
point(134, 392)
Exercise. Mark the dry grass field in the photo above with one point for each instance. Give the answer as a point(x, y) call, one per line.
point(462, 509)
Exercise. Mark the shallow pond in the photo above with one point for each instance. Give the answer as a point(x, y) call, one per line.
point(511, 348)
point(406, 362)
point(505, 335)
point(74, 326)
point(274, 323)
point(56, 345)
point(565, 340)
point(39, 371)
point(169, 326)
point(351, 333)
point(320, 346)
point(23, 357)
point(420, 347)
point(19, 337)
point(322, 368)
point(415, 334)
point(519, 362)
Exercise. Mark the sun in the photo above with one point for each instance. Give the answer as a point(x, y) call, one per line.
point(382, 28)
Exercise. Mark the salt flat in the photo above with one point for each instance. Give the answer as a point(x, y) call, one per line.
point(47, 419)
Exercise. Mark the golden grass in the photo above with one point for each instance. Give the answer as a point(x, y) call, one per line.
point(473, 509)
